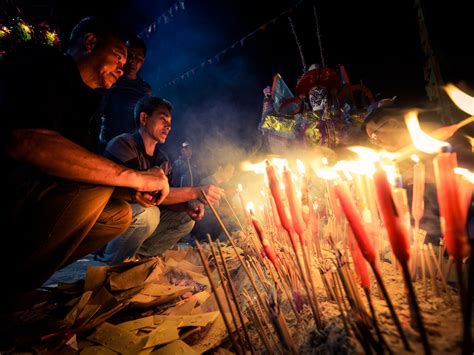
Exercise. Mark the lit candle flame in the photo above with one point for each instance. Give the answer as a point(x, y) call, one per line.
point(300, 167)
point(415, 158)
point(365, 154)
point(257, 168)
point(460, 98)
point(466, 173)
point(361, 167)
point(250, 207)
point(421, 140)
point(239, 188)
point(327, 174)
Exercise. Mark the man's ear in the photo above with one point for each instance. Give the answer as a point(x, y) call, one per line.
point(143, 118)
point(90, 41)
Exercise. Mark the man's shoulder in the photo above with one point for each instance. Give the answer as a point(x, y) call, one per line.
point(124, 138)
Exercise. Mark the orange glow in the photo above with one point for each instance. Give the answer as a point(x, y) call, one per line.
point(300, 167)
point(466, 173)
point(250, 207)
point(421, 140)
point(460, 98)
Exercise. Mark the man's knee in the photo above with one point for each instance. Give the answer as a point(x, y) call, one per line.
point(146, 219)
point(117, 216)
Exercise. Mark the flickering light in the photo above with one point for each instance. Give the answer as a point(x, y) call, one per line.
point(421, 140)
point(327, 174)
point(300, 167)
point(366, 154)
point(415, 158)
point(257, 168)
point(462, 100)
point(250, 207)
point(466, 173)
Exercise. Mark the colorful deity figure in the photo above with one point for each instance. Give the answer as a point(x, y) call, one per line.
point(325, 112)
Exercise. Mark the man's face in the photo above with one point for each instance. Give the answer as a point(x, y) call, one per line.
point(390, 134)
point(187, 151)
point(107, 60)
point(135, 60)
point(158, 125)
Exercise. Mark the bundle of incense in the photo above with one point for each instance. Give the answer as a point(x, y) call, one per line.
point(368, 251)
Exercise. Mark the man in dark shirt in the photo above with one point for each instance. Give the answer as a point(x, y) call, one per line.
point(57, 189)
point(153, 230)
point(119, 101)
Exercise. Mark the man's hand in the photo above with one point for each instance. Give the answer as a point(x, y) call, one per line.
point(144, 199)
point(155, 180)
point(212, 192)
point(195, 210)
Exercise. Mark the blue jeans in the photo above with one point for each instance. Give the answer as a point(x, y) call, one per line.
point(152, 232)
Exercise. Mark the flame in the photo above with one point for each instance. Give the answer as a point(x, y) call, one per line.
point(300, 167)
point(279, 163)
point(327, 174)
point(460, 98)
point(421, 140)
point(257, 168)
point(250, 207)
point(366, 154)
point(471, 141)
point(388, 155)
point(469, 175)
point(239, 188)
point(325, 160)
point(415, 158)
point(361, 167)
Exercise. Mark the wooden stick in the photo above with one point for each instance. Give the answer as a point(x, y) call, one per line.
point(234, 295)
point(379, 279)
point(382, 340)
point(219, 303)
point(430, 269)
point(232, 243)
point(467, 335)
point(416, 308)
point(226, 293)
point(233, 213)
point(441, 273)
point(259, 324)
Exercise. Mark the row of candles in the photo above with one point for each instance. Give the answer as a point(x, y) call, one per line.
point(368, 192)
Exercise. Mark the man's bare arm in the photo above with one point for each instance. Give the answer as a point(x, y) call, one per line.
point(58, 156)
point(185, 194)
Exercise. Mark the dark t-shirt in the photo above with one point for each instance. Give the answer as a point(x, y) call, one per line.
point(128, 149)
point(42, 88)
point(119, 104)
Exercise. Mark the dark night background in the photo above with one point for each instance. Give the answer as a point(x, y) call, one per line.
point(378, 42)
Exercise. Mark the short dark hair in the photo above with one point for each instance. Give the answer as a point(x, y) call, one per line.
point(149, 104)
point(101, 27)
point(136, 41)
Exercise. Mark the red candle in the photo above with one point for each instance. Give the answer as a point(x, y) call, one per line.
point(274, 186)
point(393, 222)
point(465, 191)
point(452, 223)
point(267, 248)
point(355, 221)
point(295, 212)
point(360, 265)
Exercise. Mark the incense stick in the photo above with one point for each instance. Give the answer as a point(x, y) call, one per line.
point(219, 303)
